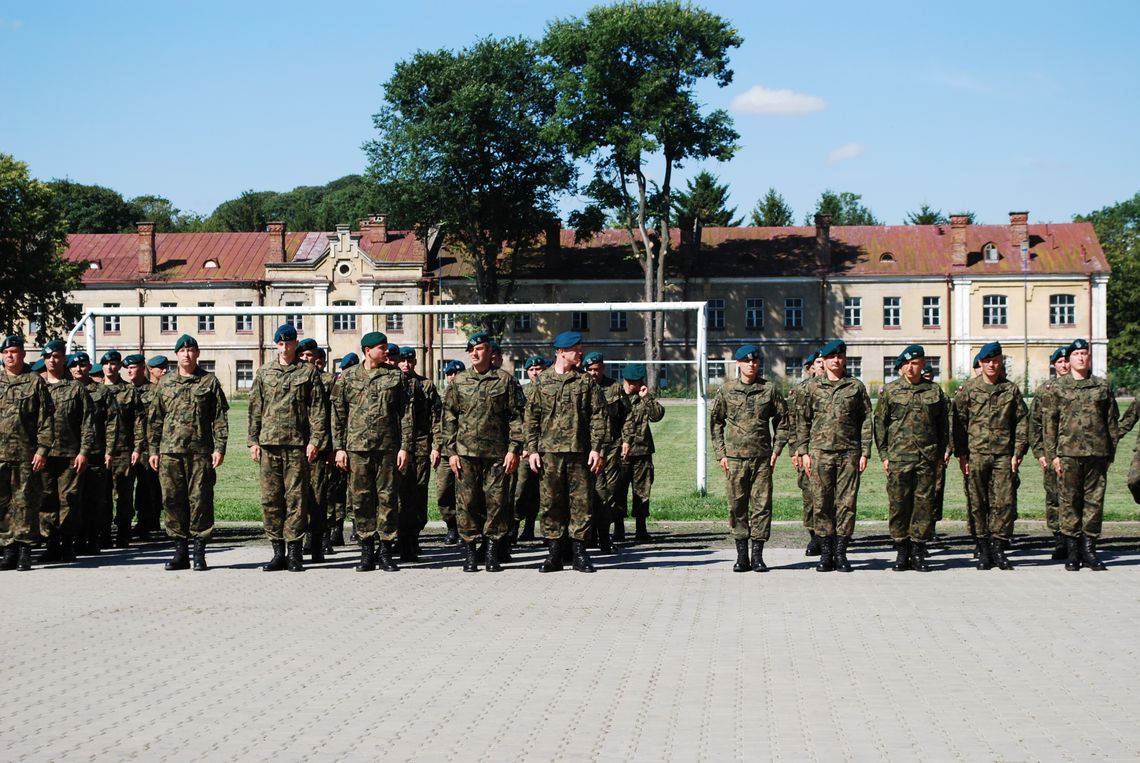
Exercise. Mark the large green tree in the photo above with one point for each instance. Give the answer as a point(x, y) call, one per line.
point(1118, 228)
point(35, 280)
point(627, 77)
point(706, 201)
point(92, 208)
point(845, 208)
point(772, 211)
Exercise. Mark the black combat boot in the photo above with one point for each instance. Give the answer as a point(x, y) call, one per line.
point(470, 557)
point(294, 556)
point(277, 563)
point(826, 553)
point(503, 550)
point(619, 530)
point(23, 557)
point(384, 557)
point(123, 536)
point(1060, 551)
point(902, 558)
point(582, 561)
point(528, 529)
point(553, 561)
point(407, 548)
point(181, 559)
point(567, 549)
point(977, 546)
point(328, 546)
point(11, 553)
point(51, 550)
point(1088, 554)
point(452, 537)
point(367, 555)
point(1072, 554)
point(918, 557)
point(200, 555)
point(841, 562)
point(605, 545)
point(307, 546)
point(997, 554)
point(758, 556)
point(337, 534)
point(491, 560)
point(814, 546)
point(318, 552)
point(742, 563)
point(66, 549)
point(641, 534)
point(982, 554)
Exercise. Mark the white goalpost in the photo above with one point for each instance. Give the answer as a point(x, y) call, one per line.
point(700, 308)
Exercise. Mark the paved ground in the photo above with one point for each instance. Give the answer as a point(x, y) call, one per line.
point(664, 654)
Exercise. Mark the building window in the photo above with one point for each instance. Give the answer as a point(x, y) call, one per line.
point(206, 320)
point(77, 311)
point(344, 322)
point(446, 321)
point(296, 321)
point(35, 321)
point(580, 321)
point(855, 366)
point(168, 324)
point(754, 313)
point(990, 253)
point(1062, 310)
point(936, 364)
point(793, 313)
point(853, 312)
point(522, 322)
point(243, 324)
point(111, 323)
point(206, 365)
point(889, 373)
point(716, 370)
point(794, 367)
point(892, 312)
point(244, 374)
point(716, 315)
point(931, 312)
point(993, 310)
point(618, 321)
point(394, 322)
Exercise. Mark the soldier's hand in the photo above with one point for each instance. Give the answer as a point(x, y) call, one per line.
point(216, 459)
point(862, 464)
point(772, 458)
point(805, 462)
point(1057, 465)
point(38, 462)
point(510, 463)
point(135, 458)
point(342, 460)
point(643, 391)
point(886, 466)
point(106, 462)
point(153, 461)
point(797, 461)
point(402, 460)
point(454, 465)
point(1044, 464)
point(535, 461)
point(311, 453)
point(80, 464)
point(624, 451)
point(434, 457)
point(1014, 462)
point(255, 453)
point(964, 465)
point(596, 461)
point(724, 465)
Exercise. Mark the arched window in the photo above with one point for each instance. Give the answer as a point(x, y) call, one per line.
point(990, 252)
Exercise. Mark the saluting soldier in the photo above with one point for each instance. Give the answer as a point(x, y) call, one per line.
point(990, 428)
point(1041, 398)
point(95, 485)
point(749, 429)
point(813, 369)
point(187, 430)
point(636, 451)
point(120, 460)
point(424, 399)
point(526, 482)
point(148, 491)
point(27, 424)
point(445, 479)
point(606, 483)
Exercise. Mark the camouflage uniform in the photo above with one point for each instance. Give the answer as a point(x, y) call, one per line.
point(423, 397)
point(372, 421)
point(186, 424)
point(526, 482)
point(61, 511)
point(990, 425)
point(565, 420)
point(288, 412)
point(1037, 445)
point(148, 491)
point(482, 422)
point(322, 514)
point(27, 429)
point(912, 431)
point(605, 484)
point(637, 466)
point(95, 482)
point(795, 399)
point(120, 445)
point(749, 424)
point(1126, 424)
point(337, 495)
point(444, 477)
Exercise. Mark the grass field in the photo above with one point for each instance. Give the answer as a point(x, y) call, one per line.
point(674, 492)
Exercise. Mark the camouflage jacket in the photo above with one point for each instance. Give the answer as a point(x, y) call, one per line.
point(617, 408)
point(794, 401)
point(1080, 419)
point(74, 419)
point(912, 422)
point(748, 420)
point(188, 415)
point(144, 393)
point(121, 426)
point(1036, 417)
point(105, 408)
point(636, 430)
point(989, 418)
point(566, 413)
point(834, 416)
point(328, 382)
point(1127, 422)
point(483, 415)
point(426, 402)
point(371, 411)
point(288, 406)
point(27, 416)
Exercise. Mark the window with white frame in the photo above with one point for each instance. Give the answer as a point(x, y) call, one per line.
point(346, 322)
point(295, 320)
point(931, 312)
point(522, 322)
point(1062, 310)
point(889, 372)
point(445, 321)
point(794, 367)
point(716, 315)
point(994, 310)
point(793, 313)
point(990, 253)
point(855, 366)
point(394, 322)
point(244, 374)
point(111, 323)
point(853, 312)
point(168, 324)
point(754, 313)
point(935, 362)
point(206, 319)
point(207, 366)
point(716, 370)
point(619, 320)
point(892, 312)
point(243, 324)
point(580, 321)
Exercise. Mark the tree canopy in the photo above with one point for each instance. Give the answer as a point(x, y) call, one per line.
point(92, 208)
point(706, 201)
point(772, 211)
point(845, 209)
point(1118, 228)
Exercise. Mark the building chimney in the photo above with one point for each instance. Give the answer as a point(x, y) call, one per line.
point(1019, 227)
point(958, 225)
point(276, 232)
point(376, 227)
point(148, 257)
point(823, 240)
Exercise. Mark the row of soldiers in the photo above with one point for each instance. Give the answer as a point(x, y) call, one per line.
point(829, 424)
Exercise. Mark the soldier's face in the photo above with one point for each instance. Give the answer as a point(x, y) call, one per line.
point(112, 369)
point(596, 371)
point(912, 370)
point(136, 373)
point(407, 365)
point(14, 359)
point(54, 363)
point(631, 387)
point(287, 350)
point(748, 369)
point(1079, 361)
point(188, 359)
point(307, 356)
point(533, 372)
point(480, 355)
point(80, 370)
point(318, 362)
point(157, 373)
point(817, 366)
point(572, 357)
point(1062, 366)
point(375, 356)
point(836, 364)
point(992, 368)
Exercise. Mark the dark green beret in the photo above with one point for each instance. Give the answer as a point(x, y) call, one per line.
point(811, 358)
point(479, 337)
point(134, 360)
point(534, 360)
point(634, 372)
point(407, 353)
point(1076, 344)
point(1057, 355)
point(454, 367)
point(912, 352)
point(185, 341)
point(111, 356)
point(977, 362)
point(96, 369)
point(308, 344)
point(350, 360)
point(834, 347)
point(496, 349)
point(76, 358)
point(12, 340)
point(158, 361)
point(566, 340)
point(55, 345)
point(592, 358)
point(990, 350)
point(393, 351)
point(373, 338)
point(39, 366)
point(747, 352)
point(286, 332)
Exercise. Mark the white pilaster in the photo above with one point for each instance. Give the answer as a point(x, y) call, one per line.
point(321, 299)
point(368, 321)
point(961, 328)
point(1099, 328)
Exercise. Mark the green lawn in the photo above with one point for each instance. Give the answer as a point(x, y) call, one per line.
point(674, 492)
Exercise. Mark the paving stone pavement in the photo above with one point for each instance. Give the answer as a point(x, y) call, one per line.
point(663, 655)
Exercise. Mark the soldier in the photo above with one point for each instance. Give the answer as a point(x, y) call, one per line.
point(338, 478)
point(372, 435)
point(603, 494)
point(912, 433)
point(526, 483)
point(1060, 365)
point(321, 471)
point(61, 511)
point(636, 450)
point(940, 482)
point(288, 429)
point(834, 440)
point(424, 398)
point(813, 369)
point(148, 492)
point(565, 431)
point(990, 430)
point(187, 430)
point(95, 486)
point(445, 480)
point(120, 460)
point(749, 429)
point(1081, 426)
point(482, 437)
point(27, 420)
point(1126, 423)
point(156, 368)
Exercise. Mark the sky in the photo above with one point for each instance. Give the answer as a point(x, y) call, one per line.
point(981, 106)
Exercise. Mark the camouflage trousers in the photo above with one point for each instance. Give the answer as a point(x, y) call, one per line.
point(482, 505)
point(749, 490)
point(284, 475)
point(60, 512)
point(317, 501)
point(374, 494)
point(939, 491)
point(804, 483)
point(604, 487)
point(993, 487)
point(123, 490)
point(911, 492)
point(834, 485)
point(1134, 476)
point(21, 491)
point(187, 484)
point(148, 496)
point(564, 495)
point(1053, 498)
point(445, 492)
point(636, 473)
point(337, 498)
point(413, 490)
point(525, 504)
point(95, 500)
point(1082, 481)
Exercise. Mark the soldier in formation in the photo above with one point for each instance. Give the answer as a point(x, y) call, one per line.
point(318, 539)
point(445, 478)
point(604, 490)
point(636, 451)
point(338, 478)
point(424, 398)
point(525, 490)
point(1060, 365)
point(120, 461)
point(813, 369)
point(148, 491)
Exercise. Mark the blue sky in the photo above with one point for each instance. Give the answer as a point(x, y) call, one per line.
point(987, 106)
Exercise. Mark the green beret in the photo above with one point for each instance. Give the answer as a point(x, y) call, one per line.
point(185, 341)
point(990, 350)
point(12, 340)
point(134, 360)
point(479, 337)
point(534, 360)
point(496, 349)
point(350, 360)
point(592, 358)
point(912, 352)
point(1076, 344)
point(453, 367)
point(308, 344)
point(566, 340)
point(373, 338)
point(834, 347)
point(319, 352)
point(1057, 355)
point(393, 351)
point(407, 353)
point(746, 352)
point(111, 356)
point(811, 358)
point(55, 345)
point(76, 358)
point(38, 366)
point(158, 361)
point(286, 332)
point(96, 369)
point(634, 372)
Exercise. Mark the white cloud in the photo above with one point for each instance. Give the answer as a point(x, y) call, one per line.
point(843, 153)
point(761, 100)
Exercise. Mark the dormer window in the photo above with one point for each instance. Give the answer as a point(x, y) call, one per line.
point(886, 257)
point(990, 252)
point(211, 264)
point(94, 265)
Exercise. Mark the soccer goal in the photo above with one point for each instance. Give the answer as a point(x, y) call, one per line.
point(87, 325)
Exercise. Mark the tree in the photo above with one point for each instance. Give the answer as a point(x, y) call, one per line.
point(464, 142)
point(844, 209)
point(1118, 228)
point(705, 201)
point(92, 208)
point(35, 280)
point(772, 211)
point(166, 217)
point(627, 76)
point(927, 216)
